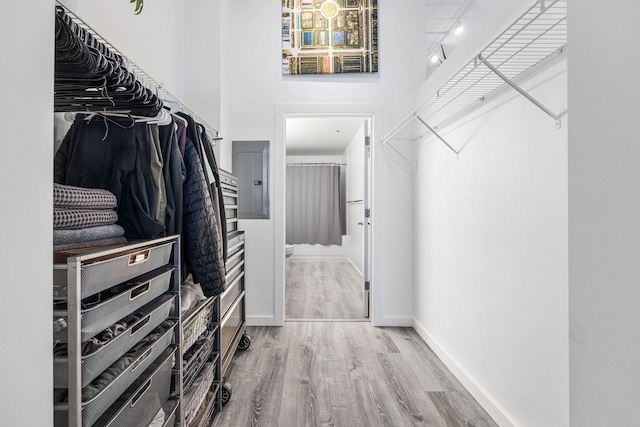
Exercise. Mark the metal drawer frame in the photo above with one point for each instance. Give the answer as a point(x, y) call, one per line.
point(74, 306)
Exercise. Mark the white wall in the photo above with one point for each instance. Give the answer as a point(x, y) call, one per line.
point(26, 169)
point(604, 208)
point(226, 96)
point(491, 293)
point(258, 88)
point(353, 240)
point(202, 44)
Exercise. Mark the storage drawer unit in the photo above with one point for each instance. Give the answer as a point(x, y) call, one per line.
point(93, 408)
point(196, 321)
point(171, 412)
point(229, 184)
point(231, 330)
point(142, 401)
point(195, 395)
point(195, 359)
point(234, 289)
point(209, 412)
point(116, 303)
point(100, 272)
point(232, 302)
point(140, 279)
point(93, 364)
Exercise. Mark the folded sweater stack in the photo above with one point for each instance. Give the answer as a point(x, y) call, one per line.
point(84, 217)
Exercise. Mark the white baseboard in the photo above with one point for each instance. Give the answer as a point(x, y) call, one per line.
point(397, 321)
point(261, 321)
point(354, 266)
point(317, 258)
point(492, 409)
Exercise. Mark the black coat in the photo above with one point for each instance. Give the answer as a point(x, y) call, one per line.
point(201, 237)
point(113, 154)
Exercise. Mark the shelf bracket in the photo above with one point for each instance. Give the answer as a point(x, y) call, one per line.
point(521, 91)
point(433, 131)
point(402, 155)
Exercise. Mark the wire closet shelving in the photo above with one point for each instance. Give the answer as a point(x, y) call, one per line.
point(539, 33)
point(145, 79)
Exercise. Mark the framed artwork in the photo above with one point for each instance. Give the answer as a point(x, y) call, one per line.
point(329, 36)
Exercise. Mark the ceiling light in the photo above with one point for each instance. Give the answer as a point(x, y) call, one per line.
point(458, 29)
point(435, 59)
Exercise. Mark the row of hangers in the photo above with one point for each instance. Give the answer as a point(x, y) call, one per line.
point(91, 77)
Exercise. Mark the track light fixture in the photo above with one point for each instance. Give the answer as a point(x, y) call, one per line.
point(438, 58)
point(458, 29)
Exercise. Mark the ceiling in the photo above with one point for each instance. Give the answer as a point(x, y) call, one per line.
point(330, 135)
point(320, 135)
point(442, 18)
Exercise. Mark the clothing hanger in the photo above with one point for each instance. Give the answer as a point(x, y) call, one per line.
point(90, 77)
point(171, 105)
point(162, 119)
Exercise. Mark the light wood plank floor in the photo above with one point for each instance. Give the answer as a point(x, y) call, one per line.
point(344, 374)
point(323, 290)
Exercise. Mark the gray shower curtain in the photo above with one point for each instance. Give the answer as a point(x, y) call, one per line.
point(313, 204)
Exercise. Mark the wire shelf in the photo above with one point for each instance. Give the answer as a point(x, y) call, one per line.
point(145, 79)
point(537, 35)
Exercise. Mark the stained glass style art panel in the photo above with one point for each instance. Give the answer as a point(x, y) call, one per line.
point(329, 36)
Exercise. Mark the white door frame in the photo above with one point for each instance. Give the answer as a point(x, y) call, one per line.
point(372, 112)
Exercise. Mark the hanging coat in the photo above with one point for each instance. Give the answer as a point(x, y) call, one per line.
point(202, 244)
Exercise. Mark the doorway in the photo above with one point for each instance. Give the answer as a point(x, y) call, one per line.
point(327, 195)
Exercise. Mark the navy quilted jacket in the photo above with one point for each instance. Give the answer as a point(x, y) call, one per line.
point(202, 242)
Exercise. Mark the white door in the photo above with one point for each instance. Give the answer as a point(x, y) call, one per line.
point(366, 223)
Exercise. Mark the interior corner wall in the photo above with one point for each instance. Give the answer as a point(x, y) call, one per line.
point(202, 59)
point(491, 257)
point(226, 62)
point(258, 87)
point(604, 212)
point(26, 169)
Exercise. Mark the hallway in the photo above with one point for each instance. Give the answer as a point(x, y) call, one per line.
point(323, 290)
point(344, 374)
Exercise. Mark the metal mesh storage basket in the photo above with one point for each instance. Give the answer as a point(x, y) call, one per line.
point(142, 401)
point(197, 322)
point(152, 315)
point(194, 360)
point(171, 413)
point(96, 407)
point(195, 395)
point(101, 273)
point(133, 295)
point(211, 410)
point(207, 418)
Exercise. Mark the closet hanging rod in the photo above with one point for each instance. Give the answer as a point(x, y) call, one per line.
point(144, 78)
point(316, 164)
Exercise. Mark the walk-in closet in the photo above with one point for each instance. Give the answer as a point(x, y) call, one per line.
point(501, 214)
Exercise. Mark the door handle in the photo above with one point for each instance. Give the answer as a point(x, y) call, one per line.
point(257, 182)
